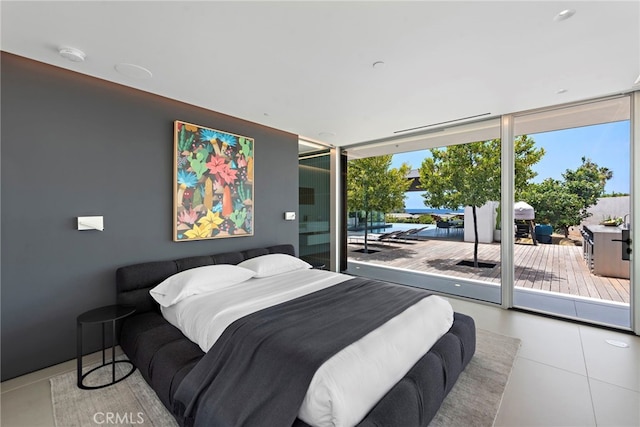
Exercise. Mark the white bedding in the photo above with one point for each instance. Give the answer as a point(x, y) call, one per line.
point(343, 390)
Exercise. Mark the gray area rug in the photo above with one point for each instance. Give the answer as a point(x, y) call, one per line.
point(131, 402)
point(475, 398)
point(473, 401)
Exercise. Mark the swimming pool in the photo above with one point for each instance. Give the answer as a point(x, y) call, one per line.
point(394, 227)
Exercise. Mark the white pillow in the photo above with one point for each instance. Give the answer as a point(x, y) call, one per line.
point(197, 281)
point(272, 264)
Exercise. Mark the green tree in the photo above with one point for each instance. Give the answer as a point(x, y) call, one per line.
point(469, 175)
point(526, 155)
point(372, 185)
point(587, 182)
point(564, 203)
point(554, 203)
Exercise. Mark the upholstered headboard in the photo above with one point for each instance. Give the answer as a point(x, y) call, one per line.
point(134, 281)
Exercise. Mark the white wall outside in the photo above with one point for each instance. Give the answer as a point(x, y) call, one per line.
point(486, 216)
point(608, 206)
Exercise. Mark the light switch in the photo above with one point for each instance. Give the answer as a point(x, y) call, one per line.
point(91, 223)
point(290, 216)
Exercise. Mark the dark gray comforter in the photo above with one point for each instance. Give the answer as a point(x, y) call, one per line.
point(259, 370)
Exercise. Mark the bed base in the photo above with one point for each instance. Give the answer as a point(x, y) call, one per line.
point(164, 355)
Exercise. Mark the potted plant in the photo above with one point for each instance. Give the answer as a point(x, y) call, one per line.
point(612, 221)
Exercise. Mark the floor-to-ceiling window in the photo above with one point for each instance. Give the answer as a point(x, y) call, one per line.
point(446, 237)
point(573, 212)
point(568, 224)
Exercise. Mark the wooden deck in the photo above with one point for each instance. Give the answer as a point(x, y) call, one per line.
point(554, 268)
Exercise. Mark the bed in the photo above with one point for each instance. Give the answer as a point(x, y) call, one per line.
point(169, 361)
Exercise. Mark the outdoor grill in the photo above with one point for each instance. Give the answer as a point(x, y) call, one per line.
point(524, 214)
point(523, 211)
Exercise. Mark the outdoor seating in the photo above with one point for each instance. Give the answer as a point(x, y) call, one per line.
point(404, 236)
point(398, 236)
point(392, 235)
point(522, 229)
point(587, 248)
point(443, 225)
point(373, 238)
point(414, 234)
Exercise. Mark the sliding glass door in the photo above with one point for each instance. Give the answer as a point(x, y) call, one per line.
point(557, 235)
point(572, 213)
point(446, 236)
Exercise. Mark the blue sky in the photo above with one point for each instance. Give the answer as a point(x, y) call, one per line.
point(605, 144)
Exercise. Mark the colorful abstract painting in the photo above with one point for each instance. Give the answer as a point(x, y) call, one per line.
point(213, 183)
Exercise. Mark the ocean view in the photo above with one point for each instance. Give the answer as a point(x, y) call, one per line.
point(432, 211)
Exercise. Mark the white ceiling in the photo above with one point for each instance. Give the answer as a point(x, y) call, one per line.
point(307, 67)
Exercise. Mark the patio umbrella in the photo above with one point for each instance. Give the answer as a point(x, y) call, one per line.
point(523, 210)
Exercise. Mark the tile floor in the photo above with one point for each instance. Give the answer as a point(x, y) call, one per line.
point(565, 374)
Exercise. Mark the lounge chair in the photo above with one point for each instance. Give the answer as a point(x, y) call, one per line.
point(399, 235)
point(372, 238)
point(413, 234)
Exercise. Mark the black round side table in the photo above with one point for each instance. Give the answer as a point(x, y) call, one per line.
point(103, 315)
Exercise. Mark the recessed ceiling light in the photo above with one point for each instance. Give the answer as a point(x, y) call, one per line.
point(134, 71)
point(327, 134)
point(565, 14)
point(72, 54)
point(561, 91)
point(378, 64)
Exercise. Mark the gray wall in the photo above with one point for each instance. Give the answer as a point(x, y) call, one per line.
point(73, 146)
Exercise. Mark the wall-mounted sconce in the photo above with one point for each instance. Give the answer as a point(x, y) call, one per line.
point(91, 223)
point(289, 216)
